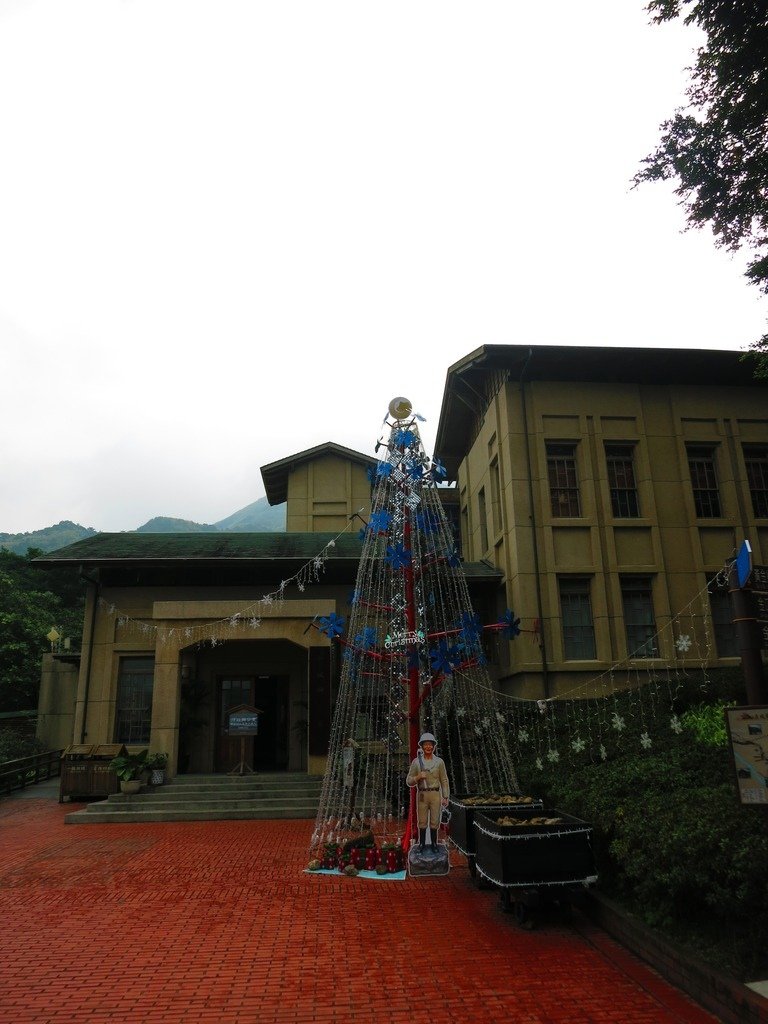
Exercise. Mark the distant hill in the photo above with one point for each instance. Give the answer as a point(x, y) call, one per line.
point(258, 517)
point(48, 539)
point(164, 524)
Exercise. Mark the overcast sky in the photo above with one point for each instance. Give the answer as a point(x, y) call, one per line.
point(230, 231)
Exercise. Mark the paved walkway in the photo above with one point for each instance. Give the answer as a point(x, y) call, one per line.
point(216, 922)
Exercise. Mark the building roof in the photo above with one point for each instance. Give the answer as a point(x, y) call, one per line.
point(170, 548)
point(176, 549)
point(275, 474)
point(471, 381)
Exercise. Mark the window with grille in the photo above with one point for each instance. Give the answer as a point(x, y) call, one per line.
point(701, 463)
point(576, 616)
point(563, 481)
point(621, 480)
point(756, 462)
point(134, 700)
point(639, 622)
point(482, 514)
point(722, 621)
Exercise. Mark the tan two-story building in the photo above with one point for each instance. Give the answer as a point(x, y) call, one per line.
point(609, 486)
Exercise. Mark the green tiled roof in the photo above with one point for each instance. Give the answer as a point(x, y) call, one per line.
point(177, 548)
point(107, 548)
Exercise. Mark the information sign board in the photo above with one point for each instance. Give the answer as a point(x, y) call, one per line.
point(748, 734)
point(243, 721)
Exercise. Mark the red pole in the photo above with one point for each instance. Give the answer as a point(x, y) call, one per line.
point(413, 682)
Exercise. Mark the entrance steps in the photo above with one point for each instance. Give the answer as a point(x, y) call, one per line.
point(210, 798)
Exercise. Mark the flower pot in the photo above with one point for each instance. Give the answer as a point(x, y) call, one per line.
point(130, 786)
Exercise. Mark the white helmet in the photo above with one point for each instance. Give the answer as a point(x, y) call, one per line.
point(427, 737)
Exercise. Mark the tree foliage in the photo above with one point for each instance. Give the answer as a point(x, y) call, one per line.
point(31, 601)
point(716, 147)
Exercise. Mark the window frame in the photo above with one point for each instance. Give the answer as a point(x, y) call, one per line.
point(563, 479)
point(625, 500)
point(632, 586)
point(705, 485)
point(133, 721)
point(756, 467)
point(573, 649)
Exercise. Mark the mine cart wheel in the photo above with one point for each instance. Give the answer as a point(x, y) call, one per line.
point(522, 915)
point(566, 911)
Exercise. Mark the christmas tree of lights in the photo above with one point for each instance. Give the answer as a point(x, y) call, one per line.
point(412, 658)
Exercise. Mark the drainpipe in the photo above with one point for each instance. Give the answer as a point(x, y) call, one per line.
point(95, 584)
point(539, 604)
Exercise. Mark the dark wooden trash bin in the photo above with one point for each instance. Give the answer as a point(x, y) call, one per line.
point(85, 771)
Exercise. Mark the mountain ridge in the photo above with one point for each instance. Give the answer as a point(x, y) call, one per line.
point(258, 517)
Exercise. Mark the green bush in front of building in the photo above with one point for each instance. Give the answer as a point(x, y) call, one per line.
point(672, 842)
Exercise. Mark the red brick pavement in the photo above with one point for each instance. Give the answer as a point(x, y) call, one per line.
point(216, 922)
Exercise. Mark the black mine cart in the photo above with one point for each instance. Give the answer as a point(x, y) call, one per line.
point(464, 808)
point(535, 856)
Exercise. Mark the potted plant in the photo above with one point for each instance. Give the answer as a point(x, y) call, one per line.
point(129, 768)
point(156, 764)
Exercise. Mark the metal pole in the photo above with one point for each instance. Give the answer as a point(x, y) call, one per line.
point(748, 639)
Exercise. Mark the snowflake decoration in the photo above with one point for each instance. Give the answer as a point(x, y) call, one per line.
point(539, 764)
point(332, 625)
point(188, 632)
point(683, 643)
point(675, 724)
point(578, 744)
point(510, 625)
point(405, 438)
point(453, 558)
point(317, 562)
point(645, 741)
point(366, 639)
point(523, 735)
point(379, 521)
point(438, 470)
point(442, 658)
point(234, 620)
point(553, 755)
point(500, 717)
point(470, 627)
point(300, 587)
point(267, 600)
point(486, 722)
point(617, 721)
point(460, 712)
point(603, 752)
point(254, 623)
point(478, 731)
point(214, 641)
point(398, 556)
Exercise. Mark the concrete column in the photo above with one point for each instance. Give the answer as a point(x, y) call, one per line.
point(166, 695)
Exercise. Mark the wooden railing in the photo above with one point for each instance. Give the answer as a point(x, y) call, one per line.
point(26, 771)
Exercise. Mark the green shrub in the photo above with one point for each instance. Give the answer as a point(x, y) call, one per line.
point(671, 840)
point(15, 744)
